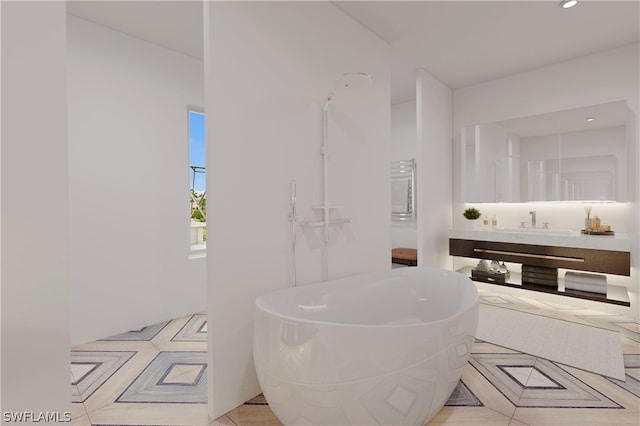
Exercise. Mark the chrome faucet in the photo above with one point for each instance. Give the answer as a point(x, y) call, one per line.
point(533, 218)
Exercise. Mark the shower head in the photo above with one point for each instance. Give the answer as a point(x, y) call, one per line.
point(348, 81)
point(353, 80)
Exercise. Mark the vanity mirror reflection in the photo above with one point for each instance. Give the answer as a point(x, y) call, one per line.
point(580, 154)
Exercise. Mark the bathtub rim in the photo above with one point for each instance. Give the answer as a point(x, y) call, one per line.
point(259, 304)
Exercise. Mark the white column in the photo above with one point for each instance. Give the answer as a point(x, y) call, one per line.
point(34, 197)
point(434, 170)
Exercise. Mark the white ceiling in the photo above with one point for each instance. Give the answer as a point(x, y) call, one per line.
point(459, 42)
point(176, 25)
point(466, 42)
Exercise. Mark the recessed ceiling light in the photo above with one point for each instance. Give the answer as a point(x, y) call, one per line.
point(589, 119)
point(568, 3)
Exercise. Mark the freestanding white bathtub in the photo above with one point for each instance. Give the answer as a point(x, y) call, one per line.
point(377, 349)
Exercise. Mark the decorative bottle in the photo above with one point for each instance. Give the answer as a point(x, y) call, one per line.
point(588, 223)
point(485, 222)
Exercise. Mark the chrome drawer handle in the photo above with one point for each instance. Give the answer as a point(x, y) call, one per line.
point(537, 256)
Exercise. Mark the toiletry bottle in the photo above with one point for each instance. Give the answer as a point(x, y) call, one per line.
point(494, 222)
point(596, 223)
point(485, 222)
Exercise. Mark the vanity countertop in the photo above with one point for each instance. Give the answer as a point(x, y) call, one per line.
point(617, 242)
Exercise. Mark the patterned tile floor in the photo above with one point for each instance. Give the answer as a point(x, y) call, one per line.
point(158, 376)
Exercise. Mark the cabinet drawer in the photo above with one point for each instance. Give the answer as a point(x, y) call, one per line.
point(604, 261)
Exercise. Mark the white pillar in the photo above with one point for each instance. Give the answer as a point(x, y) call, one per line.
point(34, 197)
point(434, 170)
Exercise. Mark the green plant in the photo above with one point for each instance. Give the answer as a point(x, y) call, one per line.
point(471, 213)
point(197, 216)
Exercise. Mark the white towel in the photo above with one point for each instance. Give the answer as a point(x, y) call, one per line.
point(582, 278)
point(602, 289)
point(400, 195)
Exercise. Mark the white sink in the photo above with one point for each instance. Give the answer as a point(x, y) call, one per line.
point(548, 237)
point(541, 231)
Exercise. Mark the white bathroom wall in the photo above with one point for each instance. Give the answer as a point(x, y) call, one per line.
point(129, 182)
point(435, 173)
point(269, 69)
point(403, 147)
point(35, 231)
point(604, 77)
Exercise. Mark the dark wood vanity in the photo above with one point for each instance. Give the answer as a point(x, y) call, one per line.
point(548, 257)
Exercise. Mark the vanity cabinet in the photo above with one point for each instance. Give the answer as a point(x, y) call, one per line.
point(581, 256)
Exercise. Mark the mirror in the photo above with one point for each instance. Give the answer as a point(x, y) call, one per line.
point(574, 155)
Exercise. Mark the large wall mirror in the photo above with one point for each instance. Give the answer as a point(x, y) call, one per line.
point(579, 154)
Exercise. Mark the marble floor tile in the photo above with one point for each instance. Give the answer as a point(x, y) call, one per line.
point(534, 382)
point(490, 397)
point(151, 414)
point(190, 332)
point(574, 417)
point(119, 381)
point(470, 416)
point(621, 396)
point(632, 372)
point(104, 345)
point(173, 327)
point(253, 415)
point(629, 346)
point(627, 413)
point(80, 420)
point(527, 381)
point(78, 411)
point(222, 421)
point(462, 396)
point(195, 330)
point(163, 382)
point(181, 346)
point(143, 334)
point(90, 370)
point(515, 422)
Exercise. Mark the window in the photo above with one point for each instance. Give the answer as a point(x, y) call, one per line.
point(197, 181)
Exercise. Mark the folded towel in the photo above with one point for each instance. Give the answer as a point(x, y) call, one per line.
point(568, 285)
point(589, 283)
point(582, 278)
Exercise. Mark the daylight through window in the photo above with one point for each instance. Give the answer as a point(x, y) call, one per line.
point(197, 181)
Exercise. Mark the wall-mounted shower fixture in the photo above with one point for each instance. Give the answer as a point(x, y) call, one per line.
point(347, 81)
point(353, 80)
point(293, 219)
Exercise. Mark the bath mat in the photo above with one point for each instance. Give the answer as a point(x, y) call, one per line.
point(588, 348)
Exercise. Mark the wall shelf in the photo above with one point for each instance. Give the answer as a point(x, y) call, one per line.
point(327, 207)
point(316, 223)
point(616, 295)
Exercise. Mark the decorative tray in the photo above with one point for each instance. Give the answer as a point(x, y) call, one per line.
point(489, 276)
point(584, 231)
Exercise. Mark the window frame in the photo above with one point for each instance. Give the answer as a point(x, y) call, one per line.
point(196, 251)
